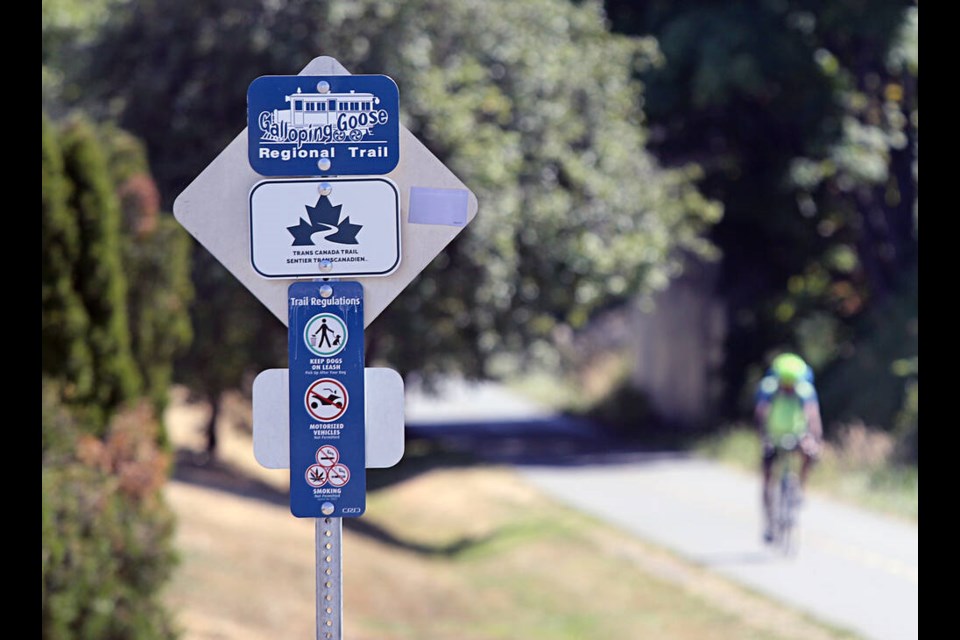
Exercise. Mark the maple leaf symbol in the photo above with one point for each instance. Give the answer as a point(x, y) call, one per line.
point(301, 233)
point(346, 232)
point(324, 216)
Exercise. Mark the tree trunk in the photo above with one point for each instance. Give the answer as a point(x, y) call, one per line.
point(212, 428)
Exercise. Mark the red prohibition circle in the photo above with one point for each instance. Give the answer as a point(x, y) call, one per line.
point(315, 475)
point(326, 400)
point(327, 456)
point(338, 475)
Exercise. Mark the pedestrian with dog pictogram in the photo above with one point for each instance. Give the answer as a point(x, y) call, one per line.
point(325, 334)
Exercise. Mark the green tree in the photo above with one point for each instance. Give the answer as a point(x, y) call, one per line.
point(67, 28)
point(64, 321)
point(804, 117)
point(234, 335)
point(106, 534)
point(156, 257)
point(863, 193)
point(95, 273)
point(548, 130)
point(531, 103)
point(115, 273)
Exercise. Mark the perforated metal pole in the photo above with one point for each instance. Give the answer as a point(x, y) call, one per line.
point(328, 536)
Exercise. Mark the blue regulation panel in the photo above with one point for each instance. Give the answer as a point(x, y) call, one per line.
point(327, 404)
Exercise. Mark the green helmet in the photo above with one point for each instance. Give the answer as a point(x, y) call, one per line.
point(789, 368)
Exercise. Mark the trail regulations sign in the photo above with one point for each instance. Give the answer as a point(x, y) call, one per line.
point(323, 125)
point(325, 228)
point(327, 412)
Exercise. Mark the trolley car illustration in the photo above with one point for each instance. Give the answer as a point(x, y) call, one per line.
point(323, 117)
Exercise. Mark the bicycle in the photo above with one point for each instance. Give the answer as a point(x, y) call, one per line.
point(786, 499)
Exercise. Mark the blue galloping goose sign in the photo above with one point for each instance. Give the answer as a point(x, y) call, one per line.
point(323, 125)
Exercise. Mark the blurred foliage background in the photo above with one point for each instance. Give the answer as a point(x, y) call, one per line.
point(115, 294)
point(616, 148)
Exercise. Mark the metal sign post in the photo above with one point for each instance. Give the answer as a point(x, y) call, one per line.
point(328, 535)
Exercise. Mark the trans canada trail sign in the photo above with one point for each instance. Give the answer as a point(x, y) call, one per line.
point(339, 227)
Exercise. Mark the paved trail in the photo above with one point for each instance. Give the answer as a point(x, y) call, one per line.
point(854, 569)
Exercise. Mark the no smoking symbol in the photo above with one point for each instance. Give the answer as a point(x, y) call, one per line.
point(327, 456)
point(338, 475)
point(327, 469)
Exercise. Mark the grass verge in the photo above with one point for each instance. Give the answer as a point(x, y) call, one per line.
point(857, 465)
point(855, 468)
point(453, 553)
point(448, 549)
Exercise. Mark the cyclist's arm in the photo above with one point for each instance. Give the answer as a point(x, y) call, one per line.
point(765, 392)
point(811, 410)
point(760, 413)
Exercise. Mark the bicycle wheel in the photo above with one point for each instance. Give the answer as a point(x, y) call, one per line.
point(786, 513)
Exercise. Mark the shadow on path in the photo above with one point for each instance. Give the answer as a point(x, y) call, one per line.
point(551, 441)
point(193, 468)
point(215, 475)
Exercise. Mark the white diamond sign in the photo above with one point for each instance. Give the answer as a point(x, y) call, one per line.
point(434, 207)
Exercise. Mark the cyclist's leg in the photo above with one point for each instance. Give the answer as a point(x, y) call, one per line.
point(805, 466)
point(769, 455)
point(807, 460)
point(809, 456)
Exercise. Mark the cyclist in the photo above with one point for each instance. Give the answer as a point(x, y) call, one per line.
point(787, 405)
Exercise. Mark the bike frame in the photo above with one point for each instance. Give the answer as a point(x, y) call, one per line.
point(786, 488)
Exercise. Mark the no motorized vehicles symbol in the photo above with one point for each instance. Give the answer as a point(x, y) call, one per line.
point(326, 400)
